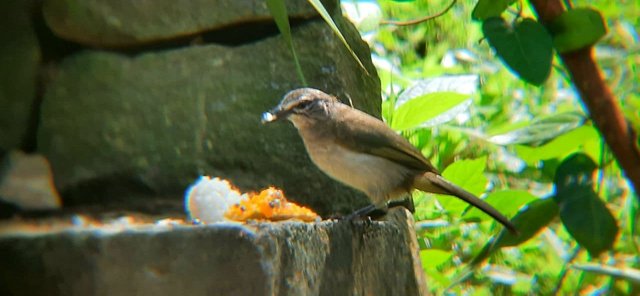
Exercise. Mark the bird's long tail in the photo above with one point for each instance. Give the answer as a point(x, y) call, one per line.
point(434, 183)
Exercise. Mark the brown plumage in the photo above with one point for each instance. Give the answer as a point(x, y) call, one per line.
point(363, 152)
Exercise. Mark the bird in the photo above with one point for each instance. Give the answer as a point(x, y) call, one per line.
point(363, 152)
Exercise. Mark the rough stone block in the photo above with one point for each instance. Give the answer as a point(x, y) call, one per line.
point(112, 23)
point(151, 123)
point(19, 62)
point(26, 181)
point(287, 258)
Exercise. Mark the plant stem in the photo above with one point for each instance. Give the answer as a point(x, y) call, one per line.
point(598, 99)
point(420, 20)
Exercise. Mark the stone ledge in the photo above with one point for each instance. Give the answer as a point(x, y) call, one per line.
point(286, 258)
point(118, 23)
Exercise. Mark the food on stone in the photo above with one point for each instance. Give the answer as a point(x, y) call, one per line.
point(269, 204)
point(211, 200)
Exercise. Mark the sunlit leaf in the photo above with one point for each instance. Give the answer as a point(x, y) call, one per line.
point(584, 137)
point(506, 202)
point(537, 131)
point(583, 213)
point(434, 258)
point(525, 48)
point(463, 84)
point(626, 273)
point(449, 107)
point(419, 110)
point(436, 276)
point(500, 134)
point(468, 174)
point(577, 28)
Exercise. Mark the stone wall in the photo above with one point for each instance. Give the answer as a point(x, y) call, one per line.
point(131, 100)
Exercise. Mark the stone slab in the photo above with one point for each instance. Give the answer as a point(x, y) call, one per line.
point(286, 258)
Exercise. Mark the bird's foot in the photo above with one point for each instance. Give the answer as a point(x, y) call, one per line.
point(407, 203)
point(370, 212)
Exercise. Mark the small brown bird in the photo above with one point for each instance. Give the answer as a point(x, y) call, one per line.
point(363, 152)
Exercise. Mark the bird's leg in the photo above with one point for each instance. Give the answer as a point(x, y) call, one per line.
point(372, 211)
point(406, 202)
point(361, 212)
point(375, 211)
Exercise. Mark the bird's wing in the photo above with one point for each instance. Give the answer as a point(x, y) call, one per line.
point(367, 134)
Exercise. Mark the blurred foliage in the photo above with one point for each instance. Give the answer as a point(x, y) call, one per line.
point(530, 150)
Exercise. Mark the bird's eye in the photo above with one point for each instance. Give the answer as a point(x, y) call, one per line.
point(304, 105)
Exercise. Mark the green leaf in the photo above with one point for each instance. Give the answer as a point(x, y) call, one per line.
point(538, 131)
point(575, 171)
point(468, 174)
point(434, 258)
point(463, 84)
point(583, 213)
point(280, 16)
point(526, 48)
point(506, 202)
point(584, 138)
point(632, 217)
point(502, 129)
point(577, 28)
point(485, 9)
point(588, 220)
point(626, 273)
point(317, 4)
point(425, 107)
point(437, 277)
point(529, 221)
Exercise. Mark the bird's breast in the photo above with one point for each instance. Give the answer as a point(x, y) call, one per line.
point(379, 178)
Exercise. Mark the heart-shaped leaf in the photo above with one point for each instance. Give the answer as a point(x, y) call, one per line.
point(485, 9)
point(577, 28)
point(583, 213)
point(525, 48)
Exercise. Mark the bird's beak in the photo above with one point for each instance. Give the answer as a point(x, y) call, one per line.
point(274, 115)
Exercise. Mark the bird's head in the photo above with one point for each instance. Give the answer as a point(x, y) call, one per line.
point(302, 106)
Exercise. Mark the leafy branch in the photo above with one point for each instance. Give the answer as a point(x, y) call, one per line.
point(597, 96)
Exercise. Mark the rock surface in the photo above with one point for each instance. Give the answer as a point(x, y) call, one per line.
point(19, 60)
point(288, 258)
point(153, 122)
point(126, 23)
point(26, 181)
